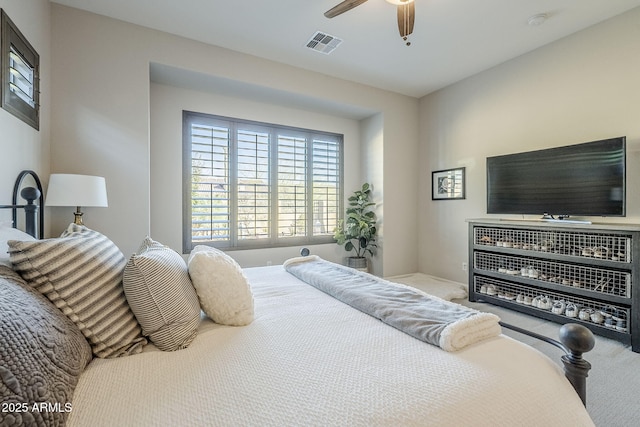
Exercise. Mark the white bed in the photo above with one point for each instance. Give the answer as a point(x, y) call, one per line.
point(309, 359)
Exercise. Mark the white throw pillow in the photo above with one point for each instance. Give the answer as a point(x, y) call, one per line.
point(224, 292)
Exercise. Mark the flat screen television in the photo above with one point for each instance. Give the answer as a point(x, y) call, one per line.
point(576, 180)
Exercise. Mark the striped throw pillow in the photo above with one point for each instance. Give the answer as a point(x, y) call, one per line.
point(160, 293)
point(81, 274)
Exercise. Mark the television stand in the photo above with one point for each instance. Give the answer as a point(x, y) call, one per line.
point(562, 271)
point(566, 221)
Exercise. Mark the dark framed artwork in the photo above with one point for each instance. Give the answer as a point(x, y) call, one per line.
point(20, 74)
point(448, 184)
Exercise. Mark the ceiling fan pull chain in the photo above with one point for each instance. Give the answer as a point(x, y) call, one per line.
point(406, 15)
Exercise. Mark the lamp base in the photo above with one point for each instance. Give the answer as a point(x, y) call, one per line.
point(78, 216)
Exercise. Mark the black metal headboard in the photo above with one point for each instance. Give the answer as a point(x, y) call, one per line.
point(31, 209)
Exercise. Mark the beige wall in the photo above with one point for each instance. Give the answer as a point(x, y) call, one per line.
point(582, 88)
point(372, 161)
point(401, 218)
point(102, 122)
point(22, 146)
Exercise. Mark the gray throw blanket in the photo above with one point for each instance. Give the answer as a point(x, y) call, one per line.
point(425, 317)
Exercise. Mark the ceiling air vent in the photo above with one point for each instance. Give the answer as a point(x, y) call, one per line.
point(323, 43)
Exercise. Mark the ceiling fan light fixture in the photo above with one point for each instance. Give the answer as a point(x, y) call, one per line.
point(406, 16)
point(399, 2)
point(405, 10)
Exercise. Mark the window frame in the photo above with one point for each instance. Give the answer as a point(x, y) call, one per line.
point(14, 43)
point(273, 240)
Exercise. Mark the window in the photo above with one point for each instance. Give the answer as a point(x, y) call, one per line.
point(250, 184)
point(20, 74)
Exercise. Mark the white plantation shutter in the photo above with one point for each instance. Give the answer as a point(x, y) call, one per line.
point(326, 166)
point(292, 186)
point(209, 184)
point(253, 185)
point(21, 77)
point(249, 184)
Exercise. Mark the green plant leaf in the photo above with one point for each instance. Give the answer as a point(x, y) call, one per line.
point(357, 231)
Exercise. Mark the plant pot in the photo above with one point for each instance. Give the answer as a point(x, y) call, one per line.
point(359, 263)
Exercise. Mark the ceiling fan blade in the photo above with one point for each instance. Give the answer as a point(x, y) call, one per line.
point(343, 7)
point(406, 16)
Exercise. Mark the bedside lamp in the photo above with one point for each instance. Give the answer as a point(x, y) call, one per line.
point(76, 190)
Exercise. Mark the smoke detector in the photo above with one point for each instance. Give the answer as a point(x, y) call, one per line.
point(537, 20)
point(323, 42)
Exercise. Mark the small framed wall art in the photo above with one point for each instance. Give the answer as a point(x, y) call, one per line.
point(448, 184)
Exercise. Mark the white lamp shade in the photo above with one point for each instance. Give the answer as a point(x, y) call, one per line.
point(76, 190)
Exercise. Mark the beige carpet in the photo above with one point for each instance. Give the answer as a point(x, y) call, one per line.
point(613, 386)
point(445, 289)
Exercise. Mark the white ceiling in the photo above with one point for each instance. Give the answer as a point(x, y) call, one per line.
point(452, 39)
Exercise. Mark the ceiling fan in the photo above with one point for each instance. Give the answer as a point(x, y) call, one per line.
point(406, 14)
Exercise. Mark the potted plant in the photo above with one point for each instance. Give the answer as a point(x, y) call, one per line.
point(357, 231)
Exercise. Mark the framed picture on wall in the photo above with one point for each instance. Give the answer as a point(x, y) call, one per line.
point(447, 184)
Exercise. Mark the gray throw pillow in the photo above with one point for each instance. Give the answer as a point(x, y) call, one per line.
point(42, 354)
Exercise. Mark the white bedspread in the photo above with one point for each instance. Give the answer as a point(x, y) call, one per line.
point(310, 360)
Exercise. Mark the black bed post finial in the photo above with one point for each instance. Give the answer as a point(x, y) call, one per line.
point(578, 340)
point(30, 194)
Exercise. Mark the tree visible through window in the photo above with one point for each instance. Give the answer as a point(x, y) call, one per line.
point(250, 184)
